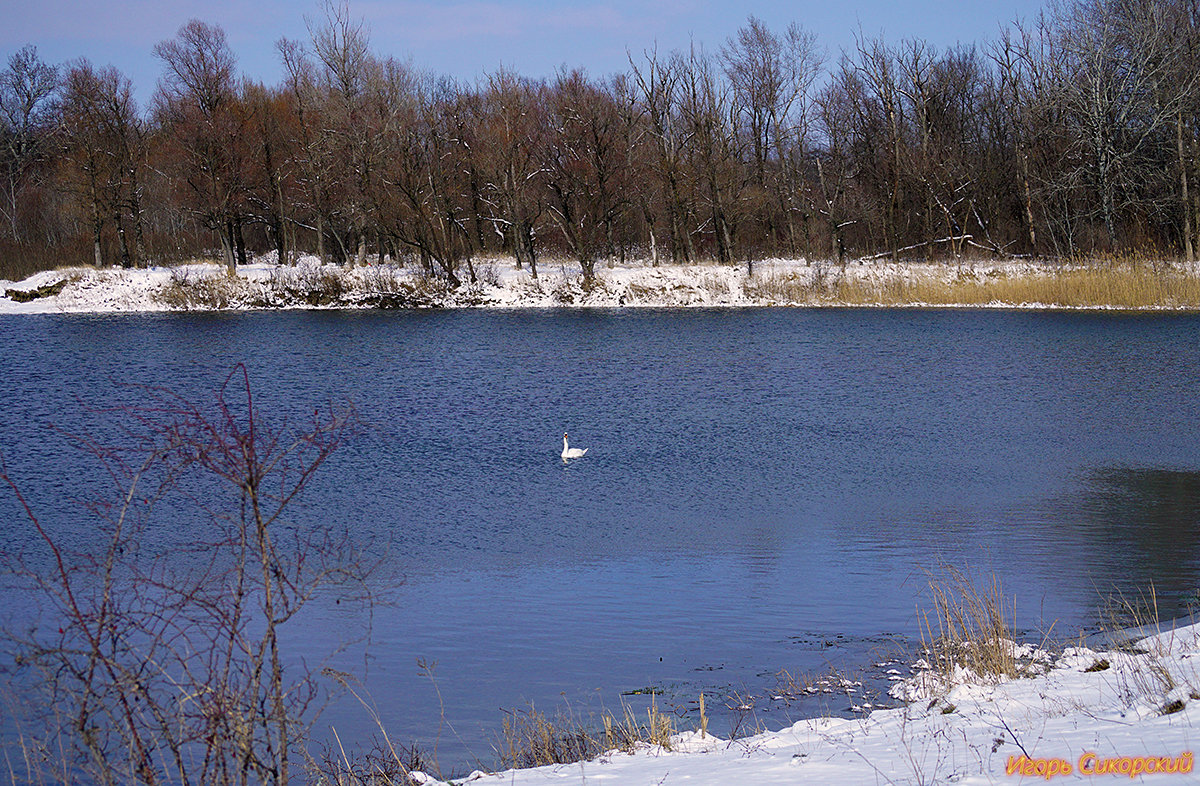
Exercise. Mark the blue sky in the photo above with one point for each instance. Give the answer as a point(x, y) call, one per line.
point(468, 38)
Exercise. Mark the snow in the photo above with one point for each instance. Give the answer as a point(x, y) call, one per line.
point(974, 731)
point(264, 284)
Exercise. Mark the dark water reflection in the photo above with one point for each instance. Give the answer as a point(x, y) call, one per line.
point(764, 489)
point(1161, 550)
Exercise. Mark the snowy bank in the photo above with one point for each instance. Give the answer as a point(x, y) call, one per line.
point(264, 285)
point(1099, 717)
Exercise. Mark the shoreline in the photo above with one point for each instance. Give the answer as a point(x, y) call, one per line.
point(1087, 713)
point(1013, 285)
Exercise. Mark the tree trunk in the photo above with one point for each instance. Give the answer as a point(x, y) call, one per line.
point(1184, 201)
point(477, 211)
point(123, 241)
point(135, 212)
point(239, 241)
point(360, 257)
point(526, 239)
point(471, 266)
point(226, 233)
point(97, 226)
point(321, 238)
point(1024, 156)
point(728, 238)
point(279, 223)
point(280, 242)
point(653, 240)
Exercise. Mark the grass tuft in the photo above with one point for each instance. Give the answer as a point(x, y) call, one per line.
point(529, 738)
point(1172, 707)
point(970, 628)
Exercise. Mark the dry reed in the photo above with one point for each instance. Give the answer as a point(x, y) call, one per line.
point(1117, 286)
point(531, 739)
point(971, 627)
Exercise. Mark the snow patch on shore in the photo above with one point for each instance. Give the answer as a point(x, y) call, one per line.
point(264, 284)
point(1129, 708)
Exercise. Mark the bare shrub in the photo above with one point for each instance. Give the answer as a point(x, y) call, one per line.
point(790, 287)
point(382, 280)
point(313, 285)
point(191, 291)
point(488, 274)
point(155, 662)
point(384, 763)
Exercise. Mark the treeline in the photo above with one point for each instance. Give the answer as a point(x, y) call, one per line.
point(1073, 134)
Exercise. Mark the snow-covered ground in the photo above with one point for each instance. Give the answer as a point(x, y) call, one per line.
point(1099, 717)
point(205, 286)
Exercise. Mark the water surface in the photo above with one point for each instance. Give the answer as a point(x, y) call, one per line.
point(764, 489)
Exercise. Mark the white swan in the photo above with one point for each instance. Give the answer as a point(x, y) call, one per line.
point(570, 452)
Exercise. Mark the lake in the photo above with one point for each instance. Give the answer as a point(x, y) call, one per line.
point(764, 489)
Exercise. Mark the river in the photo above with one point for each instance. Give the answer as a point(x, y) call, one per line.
point(764, 489)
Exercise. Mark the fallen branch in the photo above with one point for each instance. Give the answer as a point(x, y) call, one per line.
point(24, 296)
point(958, 239)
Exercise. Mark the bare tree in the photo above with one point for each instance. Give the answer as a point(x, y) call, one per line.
point(1014, 96)
point(28, 88)
point(585, 156)
point(105, 141)
point(430, 171)
point(660, 93)
point(198, 105)
point(881, 125)
point(835, 160)
point(705, 107)
point(271, 179)
point(1118, 56)
point(772, 78)
point(312, 154)
point(341, 47)
point(513, 137)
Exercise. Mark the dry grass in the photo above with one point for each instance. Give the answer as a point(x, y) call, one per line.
point(1148, 675)
point(1126, 283)
point(302, 285)
point(970, 627)
point(308, 284)
point(1121, 285)
point(190, 291)
point(818, 284)
point(385, 764)
point(382, 765)
point(1120, 612)
point(529, 738)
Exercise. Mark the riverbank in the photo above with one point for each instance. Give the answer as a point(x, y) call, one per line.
point(1128, 713)
point(265, 285)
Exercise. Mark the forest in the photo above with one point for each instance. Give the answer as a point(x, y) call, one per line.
point(1071, 135)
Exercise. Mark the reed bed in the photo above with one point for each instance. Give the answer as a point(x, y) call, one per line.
point(1116, 286)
